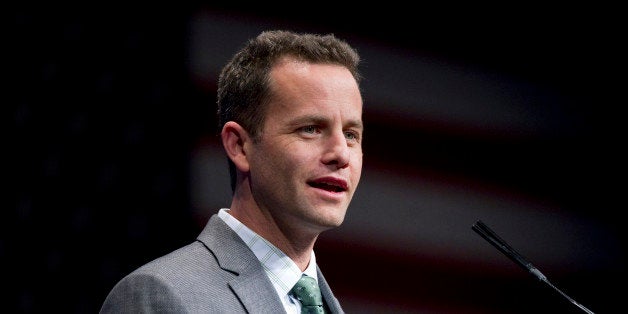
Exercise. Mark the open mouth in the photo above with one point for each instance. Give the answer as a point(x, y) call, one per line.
point(332, 185)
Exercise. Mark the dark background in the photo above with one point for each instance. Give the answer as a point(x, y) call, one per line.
point(104, 115)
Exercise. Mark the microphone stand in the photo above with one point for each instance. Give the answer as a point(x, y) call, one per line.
point(483, 230)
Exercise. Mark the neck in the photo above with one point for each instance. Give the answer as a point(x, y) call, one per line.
point(294, 241)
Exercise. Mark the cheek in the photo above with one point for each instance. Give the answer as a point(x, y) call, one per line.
point(290, 159)
point(357, 157)
point(299, 160)
point(356, 163)
point(358, 168)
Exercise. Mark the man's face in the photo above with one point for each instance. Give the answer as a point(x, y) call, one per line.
point(307, 163)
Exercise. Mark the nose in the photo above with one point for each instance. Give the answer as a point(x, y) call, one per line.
point(337, 151)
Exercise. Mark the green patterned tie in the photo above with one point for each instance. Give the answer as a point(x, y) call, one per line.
point(307, 292)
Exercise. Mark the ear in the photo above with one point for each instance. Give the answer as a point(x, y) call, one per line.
point(234, 137)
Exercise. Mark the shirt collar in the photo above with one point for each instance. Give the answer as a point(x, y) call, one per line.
point(281, 270)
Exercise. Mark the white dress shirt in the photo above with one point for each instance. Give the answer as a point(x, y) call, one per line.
point(280, 269)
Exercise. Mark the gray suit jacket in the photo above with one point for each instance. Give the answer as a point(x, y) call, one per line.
point(217, 273)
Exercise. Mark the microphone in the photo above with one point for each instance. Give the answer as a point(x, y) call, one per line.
point(483, 230)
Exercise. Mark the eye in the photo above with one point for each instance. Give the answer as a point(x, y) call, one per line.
point(352, 135)
point(311, 129)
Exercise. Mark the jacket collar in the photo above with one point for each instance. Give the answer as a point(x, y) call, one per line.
point(249, 281)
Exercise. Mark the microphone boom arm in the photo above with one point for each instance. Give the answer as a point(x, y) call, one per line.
point(491, 237)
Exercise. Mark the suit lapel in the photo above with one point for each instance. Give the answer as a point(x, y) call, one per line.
point(328, 295)
point(249, 282)
point(257, 293)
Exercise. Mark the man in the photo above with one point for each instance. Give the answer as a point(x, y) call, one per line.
point(290, 109)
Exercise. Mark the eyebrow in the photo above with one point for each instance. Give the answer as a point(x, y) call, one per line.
point(357, 124)
point(319, 119)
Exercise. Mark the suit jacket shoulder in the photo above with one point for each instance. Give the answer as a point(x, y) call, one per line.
point(217, 273)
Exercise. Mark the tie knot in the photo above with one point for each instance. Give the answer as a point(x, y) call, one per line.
point(307, 292)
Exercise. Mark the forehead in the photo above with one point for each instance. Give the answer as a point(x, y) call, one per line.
point(301, 85)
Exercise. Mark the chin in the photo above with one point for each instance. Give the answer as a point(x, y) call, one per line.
point(332, 219)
